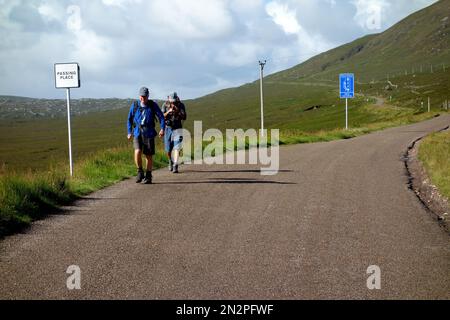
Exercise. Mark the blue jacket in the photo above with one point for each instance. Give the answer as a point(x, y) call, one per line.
point(143, 120)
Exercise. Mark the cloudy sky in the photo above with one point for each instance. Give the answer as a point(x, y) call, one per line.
point(194, 47)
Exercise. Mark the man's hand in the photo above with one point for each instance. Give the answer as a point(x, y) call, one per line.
point(130, 137)
point(161, 133)
point(168, 113)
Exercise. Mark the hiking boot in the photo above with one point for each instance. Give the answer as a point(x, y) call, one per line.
point(140, 176)
point(148, 178)
point(175, 169)
point(171, 166)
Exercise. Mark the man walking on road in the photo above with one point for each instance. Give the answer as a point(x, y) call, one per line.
point(141, 129)
point(174, 113)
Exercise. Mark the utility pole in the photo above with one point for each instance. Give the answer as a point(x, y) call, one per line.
point(261, 65)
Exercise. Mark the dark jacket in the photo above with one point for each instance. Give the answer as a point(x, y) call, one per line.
point(175, 121)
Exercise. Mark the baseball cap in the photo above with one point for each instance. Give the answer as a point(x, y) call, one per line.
point(143, 92)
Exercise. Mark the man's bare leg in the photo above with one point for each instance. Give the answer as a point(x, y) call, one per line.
point(176, 154)
point(148, 175)
point(138, 161)
point(169, 155)
point(149, 163)
point(138, 158)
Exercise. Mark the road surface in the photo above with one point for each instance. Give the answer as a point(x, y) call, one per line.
point(226, 232)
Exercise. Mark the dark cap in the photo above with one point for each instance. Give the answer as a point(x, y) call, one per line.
point(143, 92)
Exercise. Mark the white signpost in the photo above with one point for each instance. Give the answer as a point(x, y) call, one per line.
point(67, 76)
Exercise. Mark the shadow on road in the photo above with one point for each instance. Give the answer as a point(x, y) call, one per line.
point(226, 181)
point(234, 171)
point(100, 198)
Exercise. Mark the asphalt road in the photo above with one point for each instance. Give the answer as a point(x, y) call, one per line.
point(227, 232)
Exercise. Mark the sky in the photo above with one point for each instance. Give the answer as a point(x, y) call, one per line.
point(193, 47)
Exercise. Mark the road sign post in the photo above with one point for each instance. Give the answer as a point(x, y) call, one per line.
point(346, 114)
point(70, 132)
point(261, 65)
point(346, 91)
point(67, 76)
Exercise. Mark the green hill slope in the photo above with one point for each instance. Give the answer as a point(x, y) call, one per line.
point(422, 39)
point(404, 54)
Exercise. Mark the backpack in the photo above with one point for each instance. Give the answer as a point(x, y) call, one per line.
point(136, 105)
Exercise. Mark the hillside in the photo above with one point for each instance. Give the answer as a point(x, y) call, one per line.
point(421, 40)
point(28, 108)
point(406, 54)
point(302, 99)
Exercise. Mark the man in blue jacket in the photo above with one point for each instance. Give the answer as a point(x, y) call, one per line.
point(141, 129)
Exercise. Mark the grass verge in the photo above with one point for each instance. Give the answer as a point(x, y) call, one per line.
point(434, 153)
point(384, 118)
point(28, 197)
point(31, 196)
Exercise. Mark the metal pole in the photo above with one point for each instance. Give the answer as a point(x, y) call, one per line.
point(262, 64)
point(70, 132)
point(346, 114)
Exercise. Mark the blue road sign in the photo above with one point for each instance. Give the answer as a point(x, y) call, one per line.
point(347, 85)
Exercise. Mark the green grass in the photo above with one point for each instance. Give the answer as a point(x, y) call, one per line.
point(375, 119)
point(434, 152)
point(26, 197)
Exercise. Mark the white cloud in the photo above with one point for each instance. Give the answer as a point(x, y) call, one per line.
point(369, 13)
point(284, 17)
point(308, 44)
point(51, 10)
point(191, 46)
point(190, 19)
point(120, 3)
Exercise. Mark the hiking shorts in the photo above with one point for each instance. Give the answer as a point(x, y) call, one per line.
point(146, 145)
point(173, 139)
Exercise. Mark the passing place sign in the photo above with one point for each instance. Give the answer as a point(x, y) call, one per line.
point(67, 75)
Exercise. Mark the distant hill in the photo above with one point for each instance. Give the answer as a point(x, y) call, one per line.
point(421, 39)
point(12, 107)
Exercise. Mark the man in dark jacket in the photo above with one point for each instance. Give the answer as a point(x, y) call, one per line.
point(174, 113)
point(141, 129)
